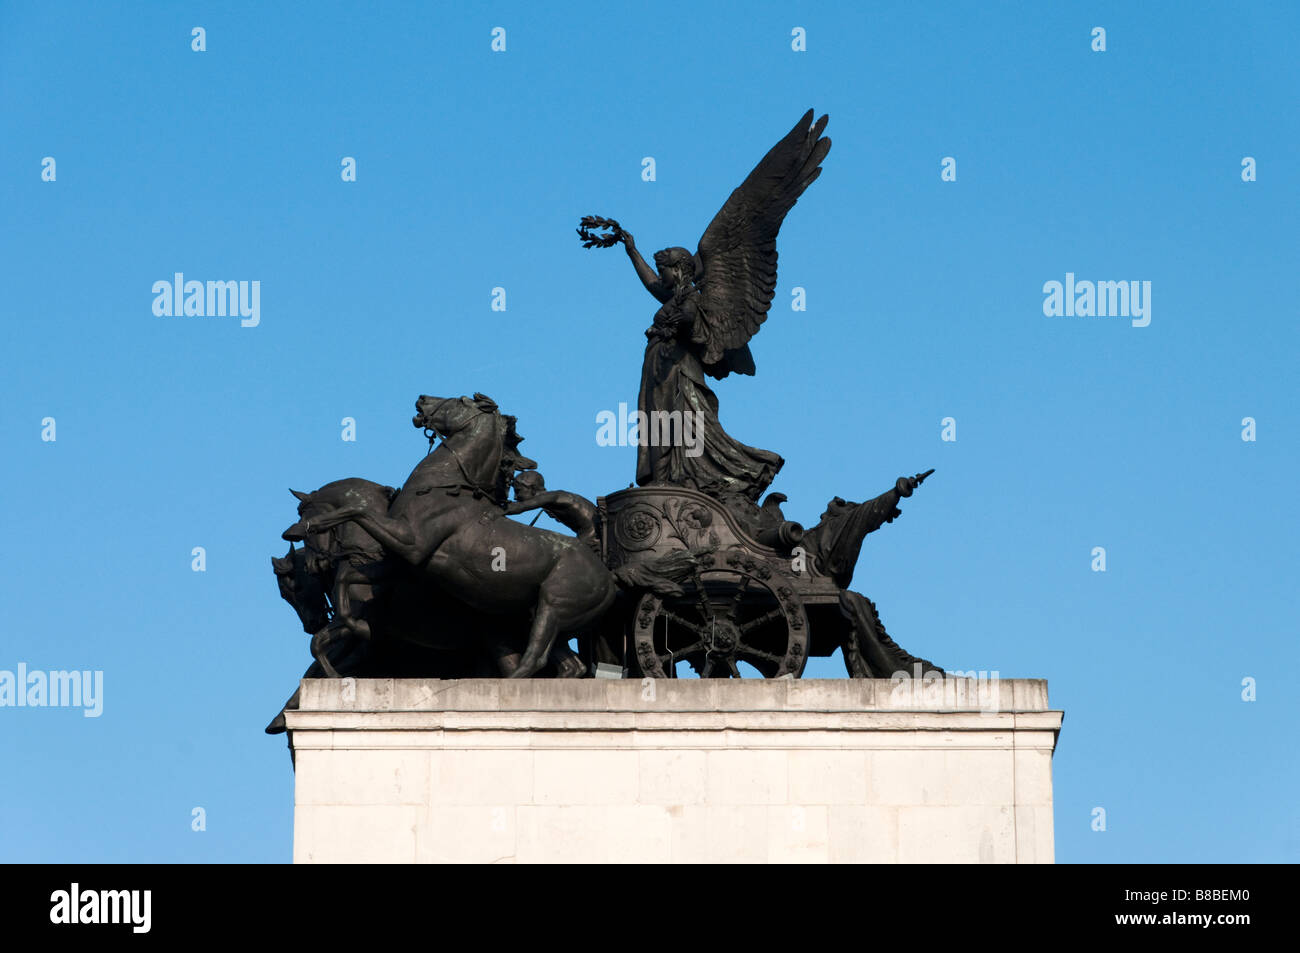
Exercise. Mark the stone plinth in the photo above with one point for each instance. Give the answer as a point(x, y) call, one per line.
point(608, 770)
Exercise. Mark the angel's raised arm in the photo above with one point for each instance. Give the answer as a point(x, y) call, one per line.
point(649, 277)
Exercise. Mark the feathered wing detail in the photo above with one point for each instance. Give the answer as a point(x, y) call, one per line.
point(737, 254)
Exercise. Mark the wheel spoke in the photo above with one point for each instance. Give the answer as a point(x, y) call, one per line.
point(684, 623)
point(746, 652)
point(708, 667)
point(736, 599)
point(674, 654)
point(731, 664)
point(777, 613)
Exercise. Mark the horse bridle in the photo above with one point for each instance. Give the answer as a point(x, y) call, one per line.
point(469, 483)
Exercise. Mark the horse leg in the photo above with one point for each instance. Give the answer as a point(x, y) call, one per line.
point(320, 643)
point(576, 593)
point(348, 580)
point(546, 625)
point(395, 535)
point(567, 664)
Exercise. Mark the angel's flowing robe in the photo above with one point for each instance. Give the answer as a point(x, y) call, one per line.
point(672, 380)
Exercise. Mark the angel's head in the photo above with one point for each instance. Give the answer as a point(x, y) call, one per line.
point(676, 266)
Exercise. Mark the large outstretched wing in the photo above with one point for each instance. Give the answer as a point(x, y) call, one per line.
point(737, 254)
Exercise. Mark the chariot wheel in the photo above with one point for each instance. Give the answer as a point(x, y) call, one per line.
point(725, 617)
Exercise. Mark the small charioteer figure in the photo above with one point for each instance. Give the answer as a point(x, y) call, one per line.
point(568, 509)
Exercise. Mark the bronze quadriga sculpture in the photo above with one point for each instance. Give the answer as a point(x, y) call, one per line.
point(686, 570)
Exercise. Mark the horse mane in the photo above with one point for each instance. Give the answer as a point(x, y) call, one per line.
point(510, 457)
point(513, 437)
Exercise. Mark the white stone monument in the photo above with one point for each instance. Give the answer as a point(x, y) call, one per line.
point(673, 771)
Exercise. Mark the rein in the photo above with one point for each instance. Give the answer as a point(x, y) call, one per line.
point(469, 484)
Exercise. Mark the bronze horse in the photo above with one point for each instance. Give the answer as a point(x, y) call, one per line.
point(448, 522)
point(349, 560)
point(306, 577)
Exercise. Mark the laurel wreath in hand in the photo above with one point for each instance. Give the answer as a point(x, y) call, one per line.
point(593, 239)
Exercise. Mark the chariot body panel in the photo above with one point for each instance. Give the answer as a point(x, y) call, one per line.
point(749, 608)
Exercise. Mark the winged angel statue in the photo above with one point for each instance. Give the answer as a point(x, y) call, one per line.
point(390, 582)
point(713, 303)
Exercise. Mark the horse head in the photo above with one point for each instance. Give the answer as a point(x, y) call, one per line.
point(302, 588)
point(317, 545)
point(447, 416)
point(483, 441)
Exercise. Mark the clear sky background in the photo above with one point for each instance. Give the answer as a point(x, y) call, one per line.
point(924, 301)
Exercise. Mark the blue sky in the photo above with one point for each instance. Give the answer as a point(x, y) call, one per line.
point(473, 167)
